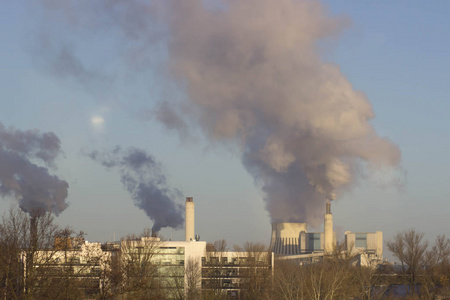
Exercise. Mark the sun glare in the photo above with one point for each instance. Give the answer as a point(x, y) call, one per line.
point(97, 120)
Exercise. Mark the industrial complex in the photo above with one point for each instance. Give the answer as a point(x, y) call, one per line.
point(291, 241)
point(196, 265)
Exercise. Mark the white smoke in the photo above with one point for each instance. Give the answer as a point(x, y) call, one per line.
point(254, 77)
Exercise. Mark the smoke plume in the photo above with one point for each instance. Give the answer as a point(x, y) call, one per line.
point(23, 179)
point(254, 77)
point(142, 176)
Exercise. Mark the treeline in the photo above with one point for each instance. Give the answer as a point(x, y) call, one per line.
point(38, 261)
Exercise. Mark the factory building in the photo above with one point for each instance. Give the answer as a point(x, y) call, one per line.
point(291, 241)
point(293, 238)
point(366, 246)
point(227, 272)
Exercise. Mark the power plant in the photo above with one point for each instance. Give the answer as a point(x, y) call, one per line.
point(293, 238)
point(217, 267)
point(292, 241)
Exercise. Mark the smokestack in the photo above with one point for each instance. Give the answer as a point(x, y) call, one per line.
point(33, 231)
point(190, 219)
point(328, 229)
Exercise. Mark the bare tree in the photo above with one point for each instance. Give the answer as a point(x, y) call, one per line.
point(256, 275)
point(327, 279)
point(342, 254)
point(368, 283)
point(60, 269)
point(436, 273)
point(27, 245)
point(111, 274)
point(410, 248)
point(193, 279)
point(13, 230)
point(288, 282)
point(331, 277)
point(214, 271)
point(139, 275)
point(439, 259)
point(40, 235)
point(220, 246)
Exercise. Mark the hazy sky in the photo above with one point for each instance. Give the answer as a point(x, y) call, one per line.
point(395, 52)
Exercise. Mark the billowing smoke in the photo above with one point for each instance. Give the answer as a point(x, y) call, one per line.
point(254, 77)
point(21, 176)
point(142, 176)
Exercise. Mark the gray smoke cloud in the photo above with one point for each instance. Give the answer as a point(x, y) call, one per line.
point(143, 178)
point(23, 179)
point(255, 78)
point(61, 61)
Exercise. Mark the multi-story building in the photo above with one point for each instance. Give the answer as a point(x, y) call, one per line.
point(232, 273)
point(366, 246)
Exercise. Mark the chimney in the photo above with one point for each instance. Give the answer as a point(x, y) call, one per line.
point(190, 219)
point(328, 229)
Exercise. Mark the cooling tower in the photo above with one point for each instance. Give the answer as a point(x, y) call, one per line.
point(190, 219)
point(286, 238)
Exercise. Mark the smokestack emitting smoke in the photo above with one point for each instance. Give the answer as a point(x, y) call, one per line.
point(254, 77)
point(142, 176)
point(328, 234)
point(23, 179)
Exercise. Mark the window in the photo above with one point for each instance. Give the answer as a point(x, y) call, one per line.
point(314, 241)
point(361, 240)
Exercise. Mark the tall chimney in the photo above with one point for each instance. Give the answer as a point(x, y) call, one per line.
point(190, 219)
point(328, 229)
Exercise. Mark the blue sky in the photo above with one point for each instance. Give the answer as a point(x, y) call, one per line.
point(396, 52)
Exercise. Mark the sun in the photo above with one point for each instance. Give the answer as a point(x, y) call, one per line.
point(97, 120)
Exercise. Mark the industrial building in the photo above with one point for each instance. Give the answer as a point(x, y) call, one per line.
point(178, 267)
point(366, 246)
point(291, 241)
point(182, 267)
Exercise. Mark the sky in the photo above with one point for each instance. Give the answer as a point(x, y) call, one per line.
point(394, 54)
